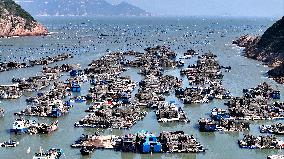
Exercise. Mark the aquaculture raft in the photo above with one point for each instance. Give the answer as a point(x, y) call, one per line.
point(142, 142)
point(261, 142)
point(207, 125)
point(256, 104)
point(169, 112)
point(121, 117)
point(277, 129)
point(21, 126)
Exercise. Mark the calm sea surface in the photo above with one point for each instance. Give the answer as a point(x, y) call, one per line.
point(81, 37)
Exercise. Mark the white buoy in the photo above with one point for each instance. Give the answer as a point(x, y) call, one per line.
point(28, 150)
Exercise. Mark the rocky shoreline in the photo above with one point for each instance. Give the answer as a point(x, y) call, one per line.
point(268, 48)
point(19, 30)
point(14, 21)
point(251, 50)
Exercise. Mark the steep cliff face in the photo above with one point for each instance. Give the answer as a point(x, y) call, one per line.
point(268, 48)
point(272, 41)
point(14, 21)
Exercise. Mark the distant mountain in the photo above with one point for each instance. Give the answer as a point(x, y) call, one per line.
point(80, 8)
point(14, 21)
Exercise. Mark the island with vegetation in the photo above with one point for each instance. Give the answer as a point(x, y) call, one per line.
point(15, 21)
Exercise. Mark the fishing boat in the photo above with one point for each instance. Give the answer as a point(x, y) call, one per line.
point(275, 94)
point(79, 99)
point(180, 63)
point(75, 87)
point(55, 112)
point(185, 57)
point(73, 73)
point(277, 129)
point(9, 143)
point(52, 153)
point(46, 129)
point(21, 125)
point(86, 151)
point(206, 125)
point(218, 114)
point(275, 157)
point(84, 78)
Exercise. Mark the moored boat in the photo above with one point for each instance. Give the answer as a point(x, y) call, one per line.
point(275, 157)
point(52, 153)
point(277, 129)
point(20, 126)
point(9, 143)
point(206, 125)
point(218, 114)
point(86, 151)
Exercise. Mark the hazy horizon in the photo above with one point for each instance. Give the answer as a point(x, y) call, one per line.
point(236, 8)
point(205, 8)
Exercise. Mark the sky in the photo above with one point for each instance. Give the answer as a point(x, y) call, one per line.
point(250, 8)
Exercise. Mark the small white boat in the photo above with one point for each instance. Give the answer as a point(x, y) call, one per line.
point(28, 150)
point(275, 157)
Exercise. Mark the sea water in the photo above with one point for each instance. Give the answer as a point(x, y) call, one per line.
point(89, 38)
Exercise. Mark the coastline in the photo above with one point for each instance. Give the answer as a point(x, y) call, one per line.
point(267, 49)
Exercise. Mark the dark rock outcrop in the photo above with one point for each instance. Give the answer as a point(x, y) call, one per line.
point(14, 21)
point(268, 48)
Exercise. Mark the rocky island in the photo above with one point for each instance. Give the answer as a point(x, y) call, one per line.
point(268, 48)
point(15, 21)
